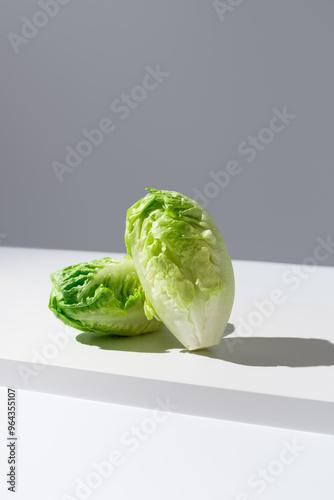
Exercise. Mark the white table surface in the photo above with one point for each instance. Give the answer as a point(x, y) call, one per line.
point(291, 354)
point(185, 458)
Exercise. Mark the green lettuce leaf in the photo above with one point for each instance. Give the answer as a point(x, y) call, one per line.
point(183, 265)
point(103, 296)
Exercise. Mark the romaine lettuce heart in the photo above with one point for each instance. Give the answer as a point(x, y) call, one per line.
point(103, 296)
point(183, 265)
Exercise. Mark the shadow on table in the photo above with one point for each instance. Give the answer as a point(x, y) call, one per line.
point(248, 351)
point(156, 342)
point(275, 351)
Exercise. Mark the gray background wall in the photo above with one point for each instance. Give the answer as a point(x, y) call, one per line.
point(225, 77)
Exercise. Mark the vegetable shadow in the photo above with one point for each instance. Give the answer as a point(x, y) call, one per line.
point(272, 351)
point(248, 351)
point(155, 342)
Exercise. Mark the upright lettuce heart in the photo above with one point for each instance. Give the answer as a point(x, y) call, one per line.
point(102, 296)
point(183, 265)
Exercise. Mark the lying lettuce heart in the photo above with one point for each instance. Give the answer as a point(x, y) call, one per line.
point(183, 265)
point(102, 296)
